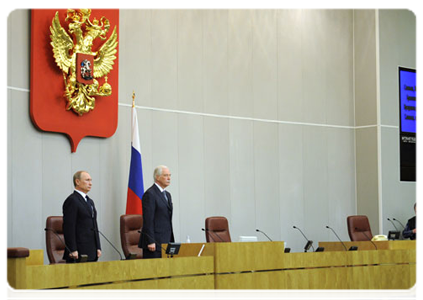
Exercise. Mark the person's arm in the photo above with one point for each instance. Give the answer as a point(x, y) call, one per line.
point(408, 232)
point(148, 210)
point(97, 235)
point(70, 214)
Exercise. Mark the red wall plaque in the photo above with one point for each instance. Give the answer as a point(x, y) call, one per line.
point(47, 101)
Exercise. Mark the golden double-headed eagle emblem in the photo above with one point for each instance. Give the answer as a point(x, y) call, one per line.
point(79, 64)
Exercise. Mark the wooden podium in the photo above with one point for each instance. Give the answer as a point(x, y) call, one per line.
point(264, 265)
point(257, 265)
point(172, 273)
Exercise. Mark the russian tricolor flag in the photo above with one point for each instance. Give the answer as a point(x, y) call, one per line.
point(136, 182)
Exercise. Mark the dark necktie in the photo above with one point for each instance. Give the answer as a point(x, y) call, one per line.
point(164, 194)
point(89, 204)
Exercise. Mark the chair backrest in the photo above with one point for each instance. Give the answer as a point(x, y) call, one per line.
point(130, 225)
point(359, 228)
point(55, 245)
point(217, 230)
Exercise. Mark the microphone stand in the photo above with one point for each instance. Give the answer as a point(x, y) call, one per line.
point(309, 243)
point(215, 234)
point(121, 258)
point(337, 237)
point(209, 235)
point(154, 241)
point(265, 235)
point(63, 242)
point(403, 227)
point(367, 237)
point(393, 224)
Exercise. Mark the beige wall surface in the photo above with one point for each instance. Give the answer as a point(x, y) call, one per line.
point(252, 110)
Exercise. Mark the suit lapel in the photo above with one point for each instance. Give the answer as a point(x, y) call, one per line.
point(168, 203)
point(85, 203)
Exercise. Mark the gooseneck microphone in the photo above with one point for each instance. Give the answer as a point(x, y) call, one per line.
point(264, 234)
point(215, 234)
point(62, 241)
point(367, 237)
point(209, 235)
point(337, 237)
point(403, 227)
point(393, 224)
point(154, 241)
point(121, 258)
point(309, 243)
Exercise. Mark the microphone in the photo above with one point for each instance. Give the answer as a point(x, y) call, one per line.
point(393, 224)
point(264, 234)
point(121, 258)
point(215, 234)
point(209, 235)
point(309, 243)
point(367, 237)
point(403, 227)
point(63, 242)
point(154, 241)
point(337, 237)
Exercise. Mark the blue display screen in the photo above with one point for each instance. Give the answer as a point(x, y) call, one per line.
point(407, 93)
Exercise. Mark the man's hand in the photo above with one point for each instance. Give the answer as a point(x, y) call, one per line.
point(98, 253)
point(152, 247)
point(73, 255)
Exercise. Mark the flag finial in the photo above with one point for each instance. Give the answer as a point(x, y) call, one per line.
point(133, 99)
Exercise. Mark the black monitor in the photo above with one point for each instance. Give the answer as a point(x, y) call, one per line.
point(173, 249)
point(393, 235)
point(131, 256)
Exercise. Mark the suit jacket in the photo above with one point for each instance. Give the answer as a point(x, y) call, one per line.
point(408, 230)
point(80, 227)
point(157, 218)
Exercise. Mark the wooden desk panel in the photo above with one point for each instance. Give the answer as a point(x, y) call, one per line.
point(360, 276)
point(367, 245)
point(35, 258)
point(229, 266)
point(196, 287)
point(243, 256)
point(111, 272)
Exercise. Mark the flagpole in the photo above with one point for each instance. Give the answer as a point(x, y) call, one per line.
point(133, 99)
point(136, 182)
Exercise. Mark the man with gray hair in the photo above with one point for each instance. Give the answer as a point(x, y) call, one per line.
point(157, 210)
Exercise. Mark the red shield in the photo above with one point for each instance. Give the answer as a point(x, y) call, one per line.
point(84, 68)
point(47, 102)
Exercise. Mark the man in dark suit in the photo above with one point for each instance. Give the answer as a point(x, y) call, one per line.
point(157, 215)
point(80, 222)
point(410, 229)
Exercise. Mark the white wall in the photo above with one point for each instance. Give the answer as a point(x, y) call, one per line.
point(252, 110)
point(397, 48)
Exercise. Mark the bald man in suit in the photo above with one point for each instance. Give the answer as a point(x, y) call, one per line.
point(157, 210)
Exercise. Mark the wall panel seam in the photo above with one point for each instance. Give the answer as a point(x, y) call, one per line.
point(238, 117)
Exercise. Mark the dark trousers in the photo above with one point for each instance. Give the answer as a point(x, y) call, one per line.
point(151, 254)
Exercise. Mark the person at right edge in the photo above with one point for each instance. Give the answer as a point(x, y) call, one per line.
point(157, 211)
point(410, 228)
